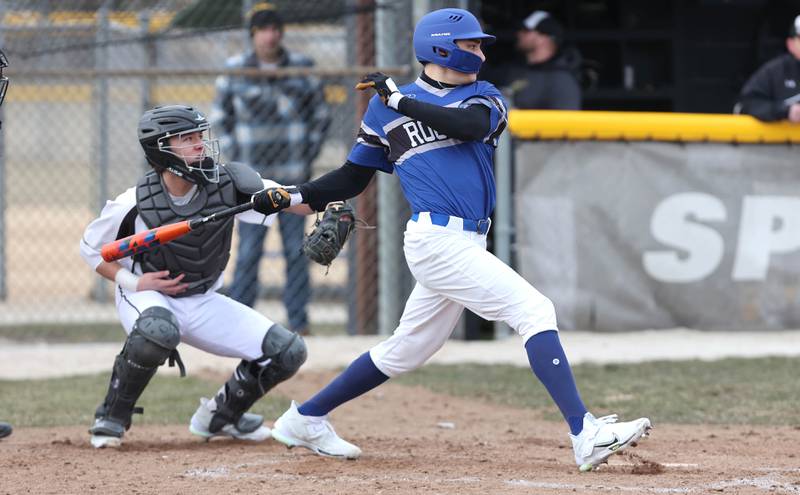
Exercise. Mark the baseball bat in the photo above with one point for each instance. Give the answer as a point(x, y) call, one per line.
point(144, 241)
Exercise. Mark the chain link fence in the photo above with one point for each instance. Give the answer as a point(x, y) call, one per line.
point(83, 72)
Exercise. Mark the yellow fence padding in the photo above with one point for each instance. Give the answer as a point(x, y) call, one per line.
point(159, 19)
point(648, 126)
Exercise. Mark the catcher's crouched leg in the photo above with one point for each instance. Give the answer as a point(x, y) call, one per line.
point(226, 414)
point(153, 339)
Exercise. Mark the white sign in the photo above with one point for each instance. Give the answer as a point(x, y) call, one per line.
point(685, 224)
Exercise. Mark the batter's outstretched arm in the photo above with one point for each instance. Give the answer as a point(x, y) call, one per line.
point(343, 183)
point(467, 124)
point(470, 123)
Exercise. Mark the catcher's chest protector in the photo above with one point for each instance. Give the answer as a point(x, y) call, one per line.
point(201, 254)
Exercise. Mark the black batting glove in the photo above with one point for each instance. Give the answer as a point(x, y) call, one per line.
point(384, 86)
point(272, 200)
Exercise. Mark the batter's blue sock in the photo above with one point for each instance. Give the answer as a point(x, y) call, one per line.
point(549, 364)
point(359, 378)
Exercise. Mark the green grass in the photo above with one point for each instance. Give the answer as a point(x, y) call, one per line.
point(71, 401)
point(64, 333)
point(102, 332)
point(730, 391)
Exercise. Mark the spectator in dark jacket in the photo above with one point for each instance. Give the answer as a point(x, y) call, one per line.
point(548, 78)
point(773, 92)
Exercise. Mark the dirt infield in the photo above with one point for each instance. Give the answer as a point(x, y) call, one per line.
point(414, 441)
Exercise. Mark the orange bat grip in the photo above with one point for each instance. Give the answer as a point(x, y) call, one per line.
point(143, 241)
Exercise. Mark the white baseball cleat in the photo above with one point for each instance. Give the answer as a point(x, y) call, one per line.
point(312, 432)
point(106, 434)
point(103, 441)
point(602, 437)
point(249, 427)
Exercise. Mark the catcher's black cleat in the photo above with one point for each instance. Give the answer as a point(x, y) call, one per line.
point(5, 429)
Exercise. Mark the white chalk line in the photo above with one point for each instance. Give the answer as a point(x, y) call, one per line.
point(767, 483)
point(582, 487)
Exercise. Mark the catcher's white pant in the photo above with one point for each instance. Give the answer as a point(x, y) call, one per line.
point(211, 322)
point(453, 270)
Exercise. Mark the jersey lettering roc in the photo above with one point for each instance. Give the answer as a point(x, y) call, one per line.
point(437, 173)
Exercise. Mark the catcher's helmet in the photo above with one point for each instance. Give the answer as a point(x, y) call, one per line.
point(435, 39)
point(161, 123)
point(3, 79)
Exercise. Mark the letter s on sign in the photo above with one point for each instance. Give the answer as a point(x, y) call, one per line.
point(697, 249)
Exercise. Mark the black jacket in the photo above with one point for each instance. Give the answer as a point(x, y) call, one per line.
point(769, 92)
point(552, 85)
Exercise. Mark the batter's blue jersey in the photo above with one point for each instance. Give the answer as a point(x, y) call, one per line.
point(437, 173)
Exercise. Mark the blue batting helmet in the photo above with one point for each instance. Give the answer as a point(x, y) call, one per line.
point(435, 39)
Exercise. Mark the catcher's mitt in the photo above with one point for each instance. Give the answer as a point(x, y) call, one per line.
point(330, 233)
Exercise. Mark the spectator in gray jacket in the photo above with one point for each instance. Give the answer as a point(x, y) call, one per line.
point(276, 125)
point(549, 77)
point(773, 92)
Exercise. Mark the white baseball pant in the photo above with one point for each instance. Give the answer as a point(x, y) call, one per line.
point(454, 270)
point(210, 322)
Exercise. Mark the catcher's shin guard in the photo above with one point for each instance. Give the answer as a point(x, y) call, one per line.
point(153, 339)
point(284, 353)
point(238, 395)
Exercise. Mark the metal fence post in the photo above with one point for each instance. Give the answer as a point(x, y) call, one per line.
point(100, 97)
point(503, 221)
point(151, 60)
point(3, 195)
point(390, 197)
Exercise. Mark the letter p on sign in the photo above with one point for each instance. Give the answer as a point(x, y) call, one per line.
point(770, 224)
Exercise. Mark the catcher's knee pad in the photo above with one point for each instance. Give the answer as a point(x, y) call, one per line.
point(153, 339)
point(284, 353)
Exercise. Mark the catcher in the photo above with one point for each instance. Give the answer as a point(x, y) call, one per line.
point(169, 295)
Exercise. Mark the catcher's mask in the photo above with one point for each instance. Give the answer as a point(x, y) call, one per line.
point(3, 79)
point(159, 124)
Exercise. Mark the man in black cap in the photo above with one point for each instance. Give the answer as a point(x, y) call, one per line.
point(548, 79)
point(773, 92)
